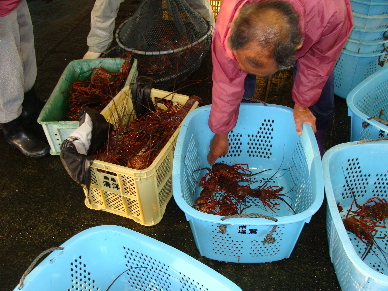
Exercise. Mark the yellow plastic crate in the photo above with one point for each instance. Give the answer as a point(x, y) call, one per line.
point(141, 195)
point(216, 5)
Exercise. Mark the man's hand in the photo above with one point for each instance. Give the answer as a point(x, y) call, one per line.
point(303, 115)
point(219, 147)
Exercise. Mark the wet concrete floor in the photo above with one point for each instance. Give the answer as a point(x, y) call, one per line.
point(42, 206)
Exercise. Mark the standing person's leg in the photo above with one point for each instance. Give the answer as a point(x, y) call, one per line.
point(323, 110)
point(31, 105)
point(17, 75)
point(11, 73)
point(102, 24)
point(249, 86)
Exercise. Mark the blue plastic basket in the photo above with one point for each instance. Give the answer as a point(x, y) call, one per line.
point(116, 258)
point(264, 138)
point(369, 7)
point(368, 1)
point(366, 47)
point(360, 169)
point(352, 68)
point(367, 100)
point(362, 21)
point(378, 34)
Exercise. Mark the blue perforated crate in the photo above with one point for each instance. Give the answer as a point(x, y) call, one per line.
point(366, 100)
point(352, 68)
point(264, 138)
point(115, 258)
point(369, 7)
point(359, 169)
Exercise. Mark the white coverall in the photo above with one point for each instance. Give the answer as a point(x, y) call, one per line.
point(17, 58)
point(103, 18)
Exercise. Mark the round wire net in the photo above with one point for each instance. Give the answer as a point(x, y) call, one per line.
point(169, 40)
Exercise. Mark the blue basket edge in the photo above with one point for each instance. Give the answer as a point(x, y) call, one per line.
point(337, 221)
point(149, 241)
point(354, 93)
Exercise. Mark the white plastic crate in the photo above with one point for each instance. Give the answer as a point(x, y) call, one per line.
point(359, 169)
point(352, 68)
point(53, 117)
point(264, 138)
point(367, 100)
point(140, 195)
point(116, 258)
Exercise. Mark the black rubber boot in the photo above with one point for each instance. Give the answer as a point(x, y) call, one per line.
point(32, 106)
point(18, 137)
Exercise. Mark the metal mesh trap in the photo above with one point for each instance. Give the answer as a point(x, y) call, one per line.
point(169, 40)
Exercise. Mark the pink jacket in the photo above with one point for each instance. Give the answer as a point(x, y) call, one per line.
point(325, 25)
point(7, 6)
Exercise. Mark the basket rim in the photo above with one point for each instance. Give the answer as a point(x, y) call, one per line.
point(371, 42)
point(359, 91)
point(379, 16)
point(146, 242)
point(331, 154)
point(300, 217)
point(371, 3)
point(362, 55)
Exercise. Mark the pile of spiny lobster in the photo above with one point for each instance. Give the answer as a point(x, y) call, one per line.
point(98, 88)
point(226, 191)
point(137, 144)
point(364, 221)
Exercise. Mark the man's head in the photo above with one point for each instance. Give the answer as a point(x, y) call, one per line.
point(265, 36)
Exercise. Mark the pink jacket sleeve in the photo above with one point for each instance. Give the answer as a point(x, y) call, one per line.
point(315, 67)
point(228, 89)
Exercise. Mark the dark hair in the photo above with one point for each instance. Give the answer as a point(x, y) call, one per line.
point(273, 25)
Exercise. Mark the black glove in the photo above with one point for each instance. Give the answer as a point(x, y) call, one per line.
point(85, 140)
point(141, 96)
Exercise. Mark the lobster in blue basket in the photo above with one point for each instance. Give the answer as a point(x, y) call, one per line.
point(226, 178)
point(374, 210)
point(366, 232)
point(363, 223)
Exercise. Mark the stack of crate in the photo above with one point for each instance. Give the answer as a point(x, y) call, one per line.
point(366, 50)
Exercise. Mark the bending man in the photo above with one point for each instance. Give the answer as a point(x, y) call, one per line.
point(262, 37)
